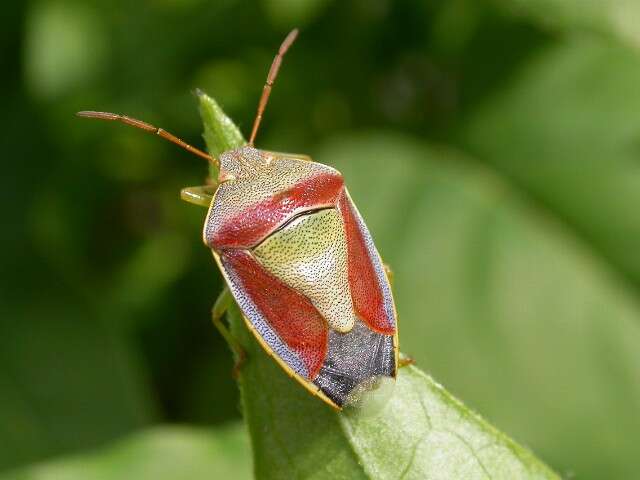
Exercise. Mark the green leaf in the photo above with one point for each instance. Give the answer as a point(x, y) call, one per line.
point(143, 280)
point(564, 133)
point(160, 453)
point(286, 13)
point(66, 47)
point(422, 431)
point(48, 350)
point(619, 18)
point(220, 133)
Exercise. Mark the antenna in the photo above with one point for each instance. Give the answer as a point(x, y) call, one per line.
point(148, 128)
point(271, 77)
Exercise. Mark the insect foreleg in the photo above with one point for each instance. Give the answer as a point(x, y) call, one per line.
point(200, 195)
point(404, 361)
point(223, 302)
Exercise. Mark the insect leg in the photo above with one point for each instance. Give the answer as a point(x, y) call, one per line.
point(200, 195)
point(222, 304)
point(405, 360)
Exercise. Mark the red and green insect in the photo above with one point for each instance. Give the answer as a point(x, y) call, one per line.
point(298, 260)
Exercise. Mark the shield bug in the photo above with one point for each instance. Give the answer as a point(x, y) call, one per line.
point(298, 260)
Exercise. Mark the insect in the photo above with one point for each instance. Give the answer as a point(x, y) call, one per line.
point(298, 260)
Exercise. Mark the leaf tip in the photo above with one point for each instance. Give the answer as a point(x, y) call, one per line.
point(220, 133)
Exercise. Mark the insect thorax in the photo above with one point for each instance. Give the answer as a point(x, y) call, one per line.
point(244, 163)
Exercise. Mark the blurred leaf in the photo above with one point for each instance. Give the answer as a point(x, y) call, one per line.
point(66, 382)
point(65, 46)
point(503, 303)
point(160, 453)
point(620, 18)
point(143, 279)
point(567, 131)
point(420, 432)
point(230, 79)
point(293, 13)
point(456, 23)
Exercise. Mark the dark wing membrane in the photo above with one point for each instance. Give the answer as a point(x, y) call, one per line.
point(357, 356)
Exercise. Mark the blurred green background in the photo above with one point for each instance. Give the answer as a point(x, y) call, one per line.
point(493, 147)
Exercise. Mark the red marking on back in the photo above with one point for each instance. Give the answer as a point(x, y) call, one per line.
point(293, 317)
point(257, 221)
point(366, 292)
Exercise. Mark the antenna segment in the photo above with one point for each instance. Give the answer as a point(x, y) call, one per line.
point(148, 128)
point(271, 77)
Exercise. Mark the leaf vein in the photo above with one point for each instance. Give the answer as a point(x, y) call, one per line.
point(414, 451)
point(472, 451)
